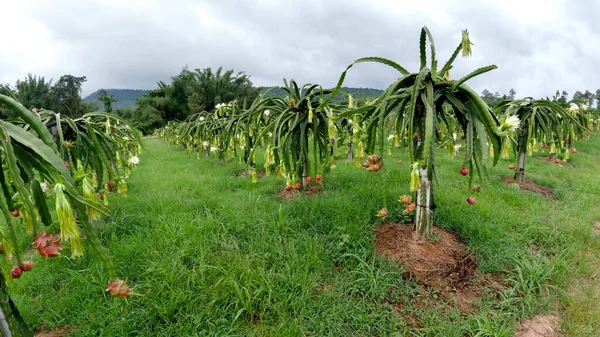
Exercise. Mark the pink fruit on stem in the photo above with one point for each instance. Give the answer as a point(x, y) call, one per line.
point(309, 180)
point(48, 245)
point(288, 187)
point(382, 213)
point(318, 179)
point(110, 184)
point(118, 288)
point(16, 272)
point(405, 199)
point(471, 200)
point(374, 159)
point(15, 213)
point(27, 265)
point(375, 167)
point(464, 171)
point(298, 186)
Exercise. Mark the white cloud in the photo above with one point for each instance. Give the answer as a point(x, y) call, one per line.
point(539, 45)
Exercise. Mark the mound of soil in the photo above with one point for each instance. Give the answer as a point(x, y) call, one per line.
point(443, 266)
point(539, 326)
point(311, 192)
point(529, 185)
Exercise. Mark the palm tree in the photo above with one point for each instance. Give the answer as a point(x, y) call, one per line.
point(211, 88)
point(415, 104)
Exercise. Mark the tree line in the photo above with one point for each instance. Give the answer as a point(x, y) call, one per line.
point(63, 96)
point(580, 98)
point(193, 91)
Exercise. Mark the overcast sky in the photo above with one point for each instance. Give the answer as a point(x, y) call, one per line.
point(539, 46)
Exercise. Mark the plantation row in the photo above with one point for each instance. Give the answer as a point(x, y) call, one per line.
point(420, 111)
point(58, 173)
point(57, 177)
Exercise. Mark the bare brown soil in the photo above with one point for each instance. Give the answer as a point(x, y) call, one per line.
point(596, 228)
point(246, 174)
point(539, 326)
point(60, 332)
point(443, 266)
point(529, 185)
point(310, 192)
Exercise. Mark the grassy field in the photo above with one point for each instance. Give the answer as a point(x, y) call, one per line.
point(212, 254)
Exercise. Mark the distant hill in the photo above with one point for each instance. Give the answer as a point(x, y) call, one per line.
point(125, 98)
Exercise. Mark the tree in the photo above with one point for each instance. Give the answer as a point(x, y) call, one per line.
point(158, 106)
point(146, 117)
point(189, 93)
point(35, 92)
point(578, 97)
point(488, 97)
point(67, 97)
point(415, 104)
point(494, 99)
point(211, 88)
point(561, 98)
point(590, 97)
point(106, 100)
point(63, 97)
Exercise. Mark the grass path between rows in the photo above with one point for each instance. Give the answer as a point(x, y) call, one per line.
point(213, 254)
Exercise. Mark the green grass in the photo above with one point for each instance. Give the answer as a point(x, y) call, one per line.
point(212, 254)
